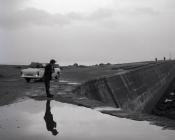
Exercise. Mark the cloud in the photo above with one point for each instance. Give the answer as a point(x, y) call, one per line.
point(11, 5)
point(145, 11)
point(31, 16)
point(14, 14)
point(101, 14)
point(117, 34)
point(35, 17)
point(97, 15)
point(105, 13)
point(75, 16)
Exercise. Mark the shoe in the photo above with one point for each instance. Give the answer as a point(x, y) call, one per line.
point(50, 96)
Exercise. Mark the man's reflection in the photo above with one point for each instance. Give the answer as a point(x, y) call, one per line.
point(48, 117)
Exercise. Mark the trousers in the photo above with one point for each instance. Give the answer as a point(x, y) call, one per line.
point(47, 86)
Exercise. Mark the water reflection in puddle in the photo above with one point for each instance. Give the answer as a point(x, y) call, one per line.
point(31, 120)
point(107, 109)
point(69, 82)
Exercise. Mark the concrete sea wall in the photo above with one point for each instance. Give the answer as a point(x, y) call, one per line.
point(137, 90)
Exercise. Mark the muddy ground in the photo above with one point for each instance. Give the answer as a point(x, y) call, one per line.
point(13, 88)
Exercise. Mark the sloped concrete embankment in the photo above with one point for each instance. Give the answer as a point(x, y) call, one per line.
point(134, 91)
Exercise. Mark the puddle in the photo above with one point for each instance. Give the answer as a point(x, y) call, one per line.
point(69, 82)
point(31, 120)
point(107, 108)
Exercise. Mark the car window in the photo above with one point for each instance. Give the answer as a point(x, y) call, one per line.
point(57, 66)
point(36, 65)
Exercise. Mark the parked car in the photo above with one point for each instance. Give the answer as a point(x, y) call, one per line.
point(36, 72)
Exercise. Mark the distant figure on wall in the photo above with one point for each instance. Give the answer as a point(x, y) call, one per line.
point(49, 69)
point(48, 117)
point(156, 59)
point(164, 58)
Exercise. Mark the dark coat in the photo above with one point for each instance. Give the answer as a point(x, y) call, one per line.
point(48, 72)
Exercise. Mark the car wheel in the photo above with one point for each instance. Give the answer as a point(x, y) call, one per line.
point(41, 79)
point(56, 77)
point(28, 80)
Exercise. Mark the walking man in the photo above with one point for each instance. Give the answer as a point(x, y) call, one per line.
point(49, 69)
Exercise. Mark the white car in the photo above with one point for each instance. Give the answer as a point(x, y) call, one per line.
point(36, 72)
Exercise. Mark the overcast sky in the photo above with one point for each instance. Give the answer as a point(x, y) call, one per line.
point(86, 31)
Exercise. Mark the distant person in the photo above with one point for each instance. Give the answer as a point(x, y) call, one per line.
point(156, 59)
point(164, 58)
point(49, 69)
point(48, 117)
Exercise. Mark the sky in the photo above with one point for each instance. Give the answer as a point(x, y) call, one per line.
point(86, 31)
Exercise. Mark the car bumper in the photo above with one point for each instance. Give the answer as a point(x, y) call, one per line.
point(32, 77)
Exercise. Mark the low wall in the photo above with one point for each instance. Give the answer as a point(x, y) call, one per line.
point(135, 91)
